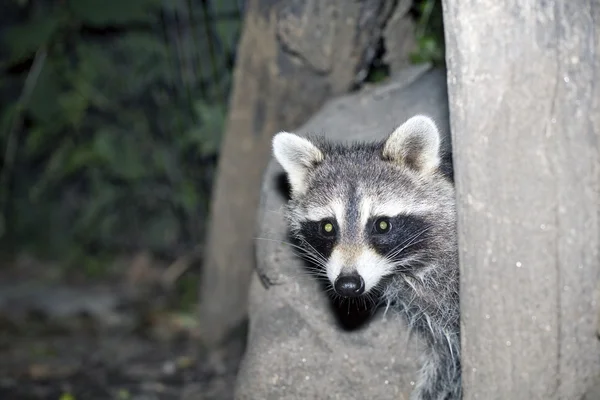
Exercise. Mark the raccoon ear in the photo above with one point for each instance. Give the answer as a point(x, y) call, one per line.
point(415, 144)
point(297, 156)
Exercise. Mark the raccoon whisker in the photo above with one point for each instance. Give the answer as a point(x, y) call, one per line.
point(449, 342)
point(311, 272)
point(409, 304)
point(370, 304)
point(316, 263)
point(411, 263)
point(382, 301)
point(409, 240)
point(329, 289)
point(333, 295)
point(366, 299)
point(283, 242)
point(387, 307)
point(311, 258)
point(376, 301)
point(402, 267)
point(314, 267)
point(317, 275)
point(277, 241)
point(394, 252)
point(317, 258)
point(424, 314)
point(304, 242)
point(397, 253)
point(428, 320)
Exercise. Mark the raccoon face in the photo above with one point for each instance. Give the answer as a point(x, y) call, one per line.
point(367, 211)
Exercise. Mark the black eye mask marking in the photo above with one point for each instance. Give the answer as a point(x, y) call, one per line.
point(403, 234)
point(322, 235)
point(399, 236)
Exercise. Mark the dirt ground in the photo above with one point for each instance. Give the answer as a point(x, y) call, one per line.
point(116, 337)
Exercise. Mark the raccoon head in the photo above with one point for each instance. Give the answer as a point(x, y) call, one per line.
point(369, 211)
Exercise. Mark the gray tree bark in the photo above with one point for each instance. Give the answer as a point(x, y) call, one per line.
point(293, 55)
point(525, 117)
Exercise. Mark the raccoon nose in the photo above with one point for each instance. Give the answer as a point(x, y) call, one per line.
point(349, 285)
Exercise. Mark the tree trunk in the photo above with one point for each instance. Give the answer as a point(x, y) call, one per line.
point(525, 117)
point(293, 55)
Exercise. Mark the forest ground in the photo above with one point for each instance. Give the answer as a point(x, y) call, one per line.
point(68, 336)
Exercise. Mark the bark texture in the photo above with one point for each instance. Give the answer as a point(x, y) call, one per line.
point(525, 117)
point(293, 55)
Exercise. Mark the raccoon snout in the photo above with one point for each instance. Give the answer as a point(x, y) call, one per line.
point(349, 285)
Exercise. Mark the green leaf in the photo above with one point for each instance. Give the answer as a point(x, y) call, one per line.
point(127, 68)
point(73, 106)
point(55, 170)
point(36, 141)
point(67, 396)
point(212, 119)
point(429, 50)
point(6, 120)
point(227, 29)
point(97, 208)
point(79, 159)
point(42, 103)
point(189, 196)
point(23, 40)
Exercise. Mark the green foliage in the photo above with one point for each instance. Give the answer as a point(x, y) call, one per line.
point(429, 35)
point(377, 73)
point(116, 128)
point(187, 289)
point(430, 32)
point(67, 396)
point(24, 40)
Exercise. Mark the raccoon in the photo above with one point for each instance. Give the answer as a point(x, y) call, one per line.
point(379, 221)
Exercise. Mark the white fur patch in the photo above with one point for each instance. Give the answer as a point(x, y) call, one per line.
point(393, 208)
point(334, 210)
point(370, 207)
point(372, 268)
point(296, 156)
point(418, 141)
point(369, 265)
point(365, 210)
point(335, 265)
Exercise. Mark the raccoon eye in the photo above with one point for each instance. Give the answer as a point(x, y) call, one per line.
point(382, 225)
point(327, 228)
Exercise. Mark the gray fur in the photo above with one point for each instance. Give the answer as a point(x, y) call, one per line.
point(423, 285)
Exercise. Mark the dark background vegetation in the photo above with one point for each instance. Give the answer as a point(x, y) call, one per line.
point(111, 115)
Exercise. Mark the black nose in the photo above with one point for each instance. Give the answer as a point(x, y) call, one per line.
point(349, 285)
